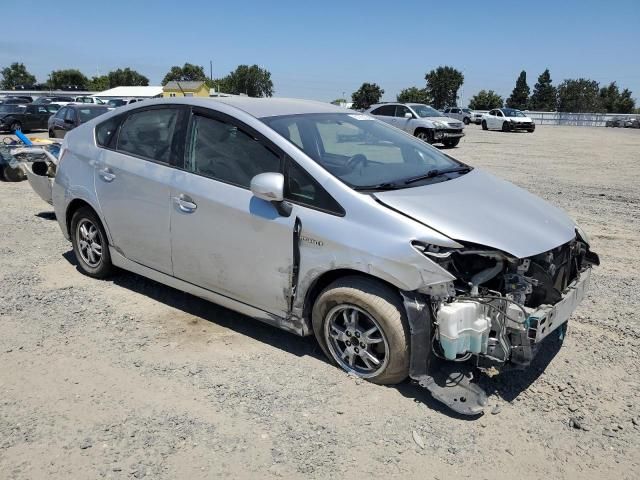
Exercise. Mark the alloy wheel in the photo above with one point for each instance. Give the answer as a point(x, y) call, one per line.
point(89, 243)
point(356, 341)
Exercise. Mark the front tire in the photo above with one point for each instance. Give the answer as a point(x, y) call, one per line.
point(451, 143)
point(484, 125)
point(506, 127)
point(360, 324)
point(466, 121)
point(15, 126)
point(90, 244)
point(424, 135)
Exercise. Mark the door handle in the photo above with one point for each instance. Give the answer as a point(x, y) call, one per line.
point(106, 174)
point(185, 203)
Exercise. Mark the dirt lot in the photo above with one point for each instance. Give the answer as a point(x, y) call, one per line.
point(127, 378)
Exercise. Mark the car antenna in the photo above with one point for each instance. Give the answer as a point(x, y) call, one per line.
point(180, 87)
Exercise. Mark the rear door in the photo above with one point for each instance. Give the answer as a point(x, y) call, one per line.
point(223, 238)
point(133, 178)
point(386, 113)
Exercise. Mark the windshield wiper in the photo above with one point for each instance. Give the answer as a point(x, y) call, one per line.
point(380, 186)
point(436, 173)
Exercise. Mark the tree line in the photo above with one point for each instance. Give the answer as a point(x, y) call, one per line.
point(572, 95)
point(253, 80)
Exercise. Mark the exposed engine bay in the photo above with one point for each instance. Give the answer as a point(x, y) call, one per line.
point(500, 308)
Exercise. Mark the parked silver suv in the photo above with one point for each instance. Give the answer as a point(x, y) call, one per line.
point(466, 115)
point(399, 259)
point(422, 121)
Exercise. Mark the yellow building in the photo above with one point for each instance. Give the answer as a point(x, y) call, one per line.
point(185, 89)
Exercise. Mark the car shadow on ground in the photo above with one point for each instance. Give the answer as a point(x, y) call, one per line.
point(211, 312)
point(46, 215)
point(507, 385)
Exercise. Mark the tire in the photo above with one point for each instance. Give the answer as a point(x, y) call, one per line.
point(15, 126)
point(376, 306)
point(424, 135)
point(86, 217)
point(11, 174)
point(51, 135)
point(484, 125)
point(531, 130)
point(506, 127)
point(451, 143)
point(466, 121)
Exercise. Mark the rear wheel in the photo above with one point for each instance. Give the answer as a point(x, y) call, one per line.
point(361, 325)
point(424, 135)
point(90, 243)
point(451, 142)
point(484, 125)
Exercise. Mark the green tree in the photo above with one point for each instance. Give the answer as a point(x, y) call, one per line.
point(68, 79)
point(14, 75)
point(520, 96)
point(543, 98)
point(625, 103)
point(579, 95)
point(486, 100)
point(187, 73)
point(443, 84)
point(339, 101)
point(413, 95)
point(99, 84)
point(249, 80)
point(366, 95)
point(126, 77)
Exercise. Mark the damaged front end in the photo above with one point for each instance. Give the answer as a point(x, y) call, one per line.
point(495, 313)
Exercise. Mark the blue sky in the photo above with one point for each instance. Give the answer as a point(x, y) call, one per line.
point(319, 49)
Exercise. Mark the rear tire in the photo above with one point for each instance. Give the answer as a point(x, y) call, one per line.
point(377, 331)
point(484, 125)
point(90, 244)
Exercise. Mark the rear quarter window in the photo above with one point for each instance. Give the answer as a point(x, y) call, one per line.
point(106, 132)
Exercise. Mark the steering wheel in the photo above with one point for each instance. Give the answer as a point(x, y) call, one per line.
point(358, 158)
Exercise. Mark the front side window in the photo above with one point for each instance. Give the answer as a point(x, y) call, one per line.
point(61, 113)
point(401, 110)
point(363, 152)
point(300, 187)
point(222, 151)
point(70, 115)
point(149, 134)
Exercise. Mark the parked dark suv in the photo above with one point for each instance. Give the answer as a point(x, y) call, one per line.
point(25, 117)
point(69, 117)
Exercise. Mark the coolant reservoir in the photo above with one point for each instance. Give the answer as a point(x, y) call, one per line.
point(463, 327)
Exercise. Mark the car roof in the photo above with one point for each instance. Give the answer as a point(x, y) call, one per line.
point(272, 107)
point(85, 105)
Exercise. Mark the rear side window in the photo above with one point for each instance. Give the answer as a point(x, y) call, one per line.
point(386, 110)
point(222, 151)
point(106, 132)
point(149, 134)
point(300, 187)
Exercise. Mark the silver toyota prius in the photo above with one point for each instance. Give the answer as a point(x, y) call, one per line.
point(402, 261)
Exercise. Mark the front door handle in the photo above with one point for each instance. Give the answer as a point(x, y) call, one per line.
point(106, 174)
point(185, 203)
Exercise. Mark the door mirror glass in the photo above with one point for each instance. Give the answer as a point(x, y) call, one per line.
point(268, 186)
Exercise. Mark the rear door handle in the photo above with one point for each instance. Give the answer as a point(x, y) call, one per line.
point(106, 174)
point(185, 203)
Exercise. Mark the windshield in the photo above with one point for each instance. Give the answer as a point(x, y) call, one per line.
point(425, 111)
point(361, 151)
point(86, 114)
point(11, 108)
point(512, 112)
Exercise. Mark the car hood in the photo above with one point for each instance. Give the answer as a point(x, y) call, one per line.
point(519, 119)
point(442, 119)
point(485, 210)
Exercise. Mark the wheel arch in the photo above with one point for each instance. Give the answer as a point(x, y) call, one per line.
point(74, 206)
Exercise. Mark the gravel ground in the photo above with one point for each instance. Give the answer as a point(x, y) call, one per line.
point(127, 378)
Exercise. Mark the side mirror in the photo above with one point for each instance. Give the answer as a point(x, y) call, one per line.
point(67, 121)
point(408, 115)
point(270, 187)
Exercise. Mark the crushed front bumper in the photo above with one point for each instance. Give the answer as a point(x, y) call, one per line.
point(446, 133)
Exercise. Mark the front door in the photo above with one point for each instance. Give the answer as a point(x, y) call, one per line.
point(133, 184)
point(222, 237)
point(401, 121)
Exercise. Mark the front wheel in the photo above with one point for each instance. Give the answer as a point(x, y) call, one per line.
point(484, 125)
point(361, 326)
point(466, 120)
point(506, 127)
point(424, 135)
point(15, 126)
point(90, 244)
point(451, 142)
